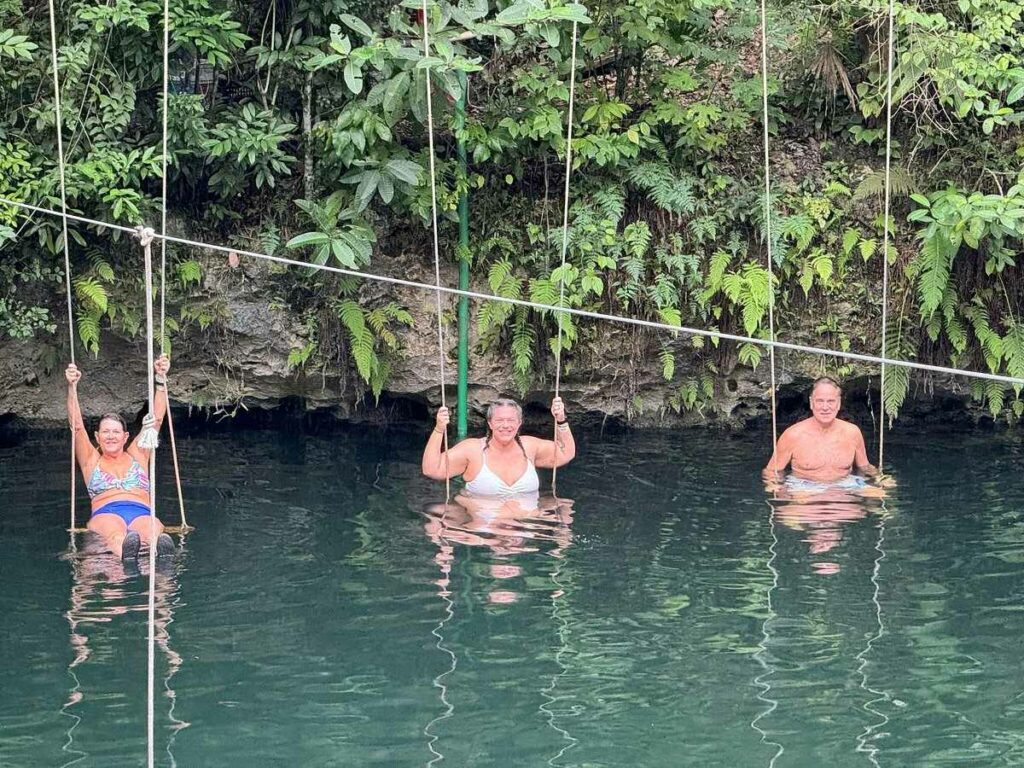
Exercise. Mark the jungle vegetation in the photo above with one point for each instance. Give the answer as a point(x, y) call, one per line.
point(297, 127)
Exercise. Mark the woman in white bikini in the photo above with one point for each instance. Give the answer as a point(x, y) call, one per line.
point(115, 473)
point(503, 465)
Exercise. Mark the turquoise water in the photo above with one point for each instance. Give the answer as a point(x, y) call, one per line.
point(317, 617)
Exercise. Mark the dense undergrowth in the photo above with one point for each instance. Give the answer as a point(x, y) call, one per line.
point(298, 128)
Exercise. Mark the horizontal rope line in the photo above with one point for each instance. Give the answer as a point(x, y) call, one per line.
point(653, 324)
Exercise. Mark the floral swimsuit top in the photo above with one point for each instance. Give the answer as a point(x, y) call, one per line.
point(135, 479)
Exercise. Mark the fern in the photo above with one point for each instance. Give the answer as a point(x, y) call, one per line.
point(716, 271)
point(806, 277)
point(991, 342)
point(867, 248)
point(823, 267)
point(89, 331)
point(544, 291)
point(299, 356)
point(749, 354)
point(668, 363)
point(100, 266)
point(611, 202)
point(270, 239)
point(901, 182)
point(703, 228)
point(567, 337)
point(663, 292)
point(995, 395)
point(798, 229)
point(668, 191)
point(189, 272)
point(850, 239)
point(504, 283)
point(524, 342)
point(360, 337)
point(1013, 353)
point(90, 292)
point(933, 267)
point(955, 330)
point(897, 380)
point(637, 237)
point(670, 316)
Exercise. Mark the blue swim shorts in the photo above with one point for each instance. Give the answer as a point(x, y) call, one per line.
point(126, 510)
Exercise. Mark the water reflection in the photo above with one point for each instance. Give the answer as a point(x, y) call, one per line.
point(103, 588)
point(505, 527)
point(826, 628)
point(821, 515)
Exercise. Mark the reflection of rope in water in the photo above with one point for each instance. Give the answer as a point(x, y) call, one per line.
point(864, 743)
point(760, 681)
point(74, 697)
point(84, 584)
point(563, 628)
point(174, 659)
point(81, 654)
point(445, 594)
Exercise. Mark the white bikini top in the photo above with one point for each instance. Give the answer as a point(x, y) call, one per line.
point(488, 484)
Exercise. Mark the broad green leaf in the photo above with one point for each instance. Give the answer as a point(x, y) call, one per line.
point(354, 77)
point(356, 24)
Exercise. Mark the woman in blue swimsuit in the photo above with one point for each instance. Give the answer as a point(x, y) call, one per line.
point(115, 473)
point(503, 465)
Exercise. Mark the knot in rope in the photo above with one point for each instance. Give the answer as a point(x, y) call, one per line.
point(149, 438)
point(145, 235)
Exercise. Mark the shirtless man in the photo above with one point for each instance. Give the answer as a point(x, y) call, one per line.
point(822, 448)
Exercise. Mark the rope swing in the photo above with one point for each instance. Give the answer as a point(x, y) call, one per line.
point(148, 440)
point(885, 235)
point(59, 120)
point(565, 243)
point(437, 249)
point(768, 220)
point(185, 527)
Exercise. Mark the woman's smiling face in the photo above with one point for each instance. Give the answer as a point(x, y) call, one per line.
point(111, 436)
point(505, 423)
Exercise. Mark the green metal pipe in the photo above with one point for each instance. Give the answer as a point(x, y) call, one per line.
point(463, 256)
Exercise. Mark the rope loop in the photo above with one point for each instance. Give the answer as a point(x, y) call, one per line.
point(145, 235)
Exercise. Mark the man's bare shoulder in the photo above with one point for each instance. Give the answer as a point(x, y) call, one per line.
point(797, 430)
point(849, 427)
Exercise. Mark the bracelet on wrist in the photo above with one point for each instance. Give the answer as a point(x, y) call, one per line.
point(563, 426)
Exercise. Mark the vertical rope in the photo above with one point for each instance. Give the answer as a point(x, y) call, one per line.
point(163, 183)
point(885, 235)
point(768, 216)
point(437, 248)
point(163, 257)
point(59, 120)
point(565, 242)
point(146, 237)
point(177, 472)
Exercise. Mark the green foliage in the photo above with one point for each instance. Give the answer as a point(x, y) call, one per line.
point(324, 105)
point(371, 334)
point(340, 234)
point(897, 381)
point(15, 46)
point(248, 143)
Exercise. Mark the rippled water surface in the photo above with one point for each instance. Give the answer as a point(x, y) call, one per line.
point(323, 614)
